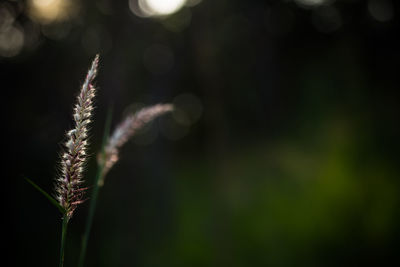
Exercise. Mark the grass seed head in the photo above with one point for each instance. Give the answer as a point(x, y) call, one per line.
point(126, 130)
point(69, 192)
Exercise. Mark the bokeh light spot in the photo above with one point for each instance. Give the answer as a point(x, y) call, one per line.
point(161, 8)
point(48, 11)
point(312, 3)
point(144, 9)
point(155, 8)
point(7, 16)
point(381, 10)
point(11, 41)
point(165, 7)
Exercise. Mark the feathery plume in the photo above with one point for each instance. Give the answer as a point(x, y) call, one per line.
point(125, 130)
point(68, 186)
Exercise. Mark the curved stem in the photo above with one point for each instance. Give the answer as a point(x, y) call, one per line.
point(63, 235)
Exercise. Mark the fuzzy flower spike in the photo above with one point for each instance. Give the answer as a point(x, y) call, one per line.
point(68, 186)
point(126, 130)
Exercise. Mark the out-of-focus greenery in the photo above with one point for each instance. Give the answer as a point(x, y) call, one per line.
point(284, 151)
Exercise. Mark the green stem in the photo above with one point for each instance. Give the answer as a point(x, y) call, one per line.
point(63, 235)
point(95, 194)
point(89, 221)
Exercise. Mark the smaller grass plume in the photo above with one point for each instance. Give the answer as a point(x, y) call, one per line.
point(126, 130)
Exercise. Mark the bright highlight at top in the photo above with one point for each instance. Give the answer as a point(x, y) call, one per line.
point(164, 7)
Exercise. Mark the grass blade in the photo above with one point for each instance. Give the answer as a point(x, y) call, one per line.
point(50, 198)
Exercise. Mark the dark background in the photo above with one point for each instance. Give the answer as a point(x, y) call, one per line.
point(285, 152)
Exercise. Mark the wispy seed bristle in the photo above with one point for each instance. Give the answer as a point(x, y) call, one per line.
point(68, 190)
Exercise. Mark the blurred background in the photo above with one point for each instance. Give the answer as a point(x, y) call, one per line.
point(284, 150)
